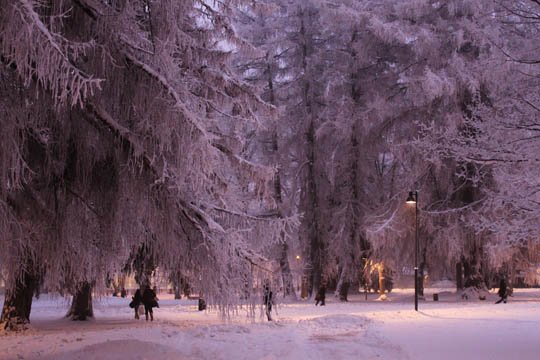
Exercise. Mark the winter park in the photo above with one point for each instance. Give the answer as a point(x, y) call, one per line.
point(272, 179)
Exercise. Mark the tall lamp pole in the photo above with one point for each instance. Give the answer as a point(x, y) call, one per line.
point(413, 199)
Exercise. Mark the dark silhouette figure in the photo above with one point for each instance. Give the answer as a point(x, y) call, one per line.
point(503, 292)
point(267, 301)
point(136, 302)
point(321, 296)
point(202, 304)
point(149, 300)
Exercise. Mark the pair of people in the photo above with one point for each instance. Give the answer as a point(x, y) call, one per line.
point(148, 298)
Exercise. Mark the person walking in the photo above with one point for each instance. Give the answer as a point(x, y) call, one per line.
point(267, 301)
point(136, 301)
point(503, 291)
point(321, 295)
point(149, 300)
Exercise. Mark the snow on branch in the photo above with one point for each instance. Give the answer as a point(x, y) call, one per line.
point(127, 137)
point(265, 217)
point(172, 92)
point(383, 225)
point(38, 52)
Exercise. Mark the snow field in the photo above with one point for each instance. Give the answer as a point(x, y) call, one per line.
point(359, 329)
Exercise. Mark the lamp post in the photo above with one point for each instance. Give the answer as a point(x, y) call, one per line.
point(413, 199)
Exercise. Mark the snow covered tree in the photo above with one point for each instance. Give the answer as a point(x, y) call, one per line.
point(121, 126)
point(288, 68)
point(493, 136)
point(419, 60)
point(367, 84)
point(266, 68)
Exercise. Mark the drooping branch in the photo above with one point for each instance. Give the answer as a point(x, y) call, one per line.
point(171, 91)
point(133, 145)
point(44, 55)
point(87, 8)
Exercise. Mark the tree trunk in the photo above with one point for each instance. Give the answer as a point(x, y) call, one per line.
point(315, 245)
point(177, 292)
point(186, 288)
point(344, 291)
point(176, 280)
point(81, 306)
point(349, 253)
point(471, 274)
point(421, 273)
point(118, 284)
point(144, 264)
point(343, 285)
point(286, 275)
point(459, 276)
point(18, 303)
point(312, 216)
point(382, 285)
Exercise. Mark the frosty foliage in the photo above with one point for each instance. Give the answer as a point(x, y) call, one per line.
point(25, 38)
point(122, 133)
point(219, 139)
point(493, 141)
point(355, 83)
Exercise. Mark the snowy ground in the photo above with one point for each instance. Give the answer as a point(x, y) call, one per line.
point(360, 329)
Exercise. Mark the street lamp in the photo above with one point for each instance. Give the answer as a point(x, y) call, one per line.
point(413, 199)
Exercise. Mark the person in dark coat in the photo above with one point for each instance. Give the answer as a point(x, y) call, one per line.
point(267, 301)
point(136, 302)
point(503, 292)
point(149, 300)
point(321, 296)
